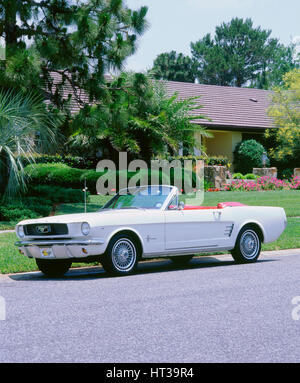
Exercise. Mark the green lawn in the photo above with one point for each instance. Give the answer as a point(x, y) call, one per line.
point(95, 202)
point(11, 261)
point(6, 225)
point(288, 199)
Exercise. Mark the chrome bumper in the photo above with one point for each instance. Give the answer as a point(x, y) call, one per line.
point(60, 243)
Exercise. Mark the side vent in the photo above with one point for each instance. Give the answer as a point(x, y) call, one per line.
point(228, 230)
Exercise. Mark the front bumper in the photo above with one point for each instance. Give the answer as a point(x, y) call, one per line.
point(61, 249)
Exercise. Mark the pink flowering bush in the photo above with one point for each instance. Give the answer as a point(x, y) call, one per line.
point(264, 183)
point(295, 183)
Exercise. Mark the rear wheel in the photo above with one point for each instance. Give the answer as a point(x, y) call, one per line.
point(181, 259)
point(53, 267)
point(248, 245)
point(121, 256)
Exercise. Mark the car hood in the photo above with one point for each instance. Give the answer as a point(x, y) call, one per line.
point(89, 217)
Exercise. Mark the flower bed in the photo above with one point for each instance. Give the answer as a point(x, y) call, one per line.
point(264, 183)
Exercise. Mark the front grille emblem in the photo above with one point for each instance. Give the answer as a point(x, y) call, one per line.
point(43, 229)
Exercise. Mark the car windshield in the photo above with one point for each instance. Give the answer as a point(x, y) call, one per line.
point(144, 197)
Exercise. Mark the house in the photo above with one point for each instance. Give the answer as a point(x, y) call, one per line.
point(235, 114)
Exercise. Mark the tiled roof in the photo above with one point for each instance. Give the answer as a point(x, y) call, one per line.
point(227, 107)
point(76, 101)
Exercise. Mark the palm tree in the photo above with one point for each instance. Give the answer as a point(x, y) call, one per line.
point(140, 118)
point(25, 128)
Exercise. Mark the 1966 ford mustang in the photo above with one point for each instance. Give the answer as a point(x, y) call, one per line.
point(145, 222)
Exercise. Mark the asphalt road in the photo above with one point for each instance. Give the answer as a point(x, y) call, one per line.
point(211, 311)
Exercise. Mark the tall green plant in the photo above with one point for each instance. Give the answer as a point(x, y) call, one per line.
point(139, 118)
point(248, 155)
point(25, 128)
point(78, 41)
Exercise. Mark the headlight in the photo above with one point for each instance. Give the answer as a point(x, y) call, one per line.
point(20, 231)
point(85, 228)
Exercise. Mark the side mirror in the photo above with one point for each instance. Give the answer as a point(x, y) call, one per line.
point(181, 205)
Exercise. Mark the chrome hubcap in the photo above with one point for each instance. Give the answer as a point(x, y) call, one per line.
point(123, 254)
point(249, 244)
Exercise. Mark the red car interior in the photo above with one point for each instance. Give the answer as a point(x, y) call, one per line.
point(220, 205)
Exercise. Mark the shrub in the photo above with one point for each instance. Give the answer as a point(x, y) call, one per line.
point(25, 208)
point(16, 214)
point(62, 176)
point(57, 194)
point(248, 176)
point(54, 174)
point(295, 183)
point(72, 161)
point(125, 176)
point(264, 183)
point(238, 176)
point(247, 155)
point(215, 160)
point(287, 173)
point(91, 177)
point(208, 185)
point(41, 206)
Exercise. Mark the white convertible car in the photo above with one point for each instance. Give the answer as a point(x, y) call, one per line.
point(147, 222)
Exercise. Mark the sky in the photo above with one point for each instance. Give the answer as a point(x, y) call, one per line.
point(174, 24)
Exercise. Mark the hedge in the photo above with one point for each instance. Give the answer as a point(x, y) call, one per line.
point(61, 175)
point(57, 194)
point(25, 208)
point(211, 161)
point(91, 163)
point(72, 161)
point(38, 202)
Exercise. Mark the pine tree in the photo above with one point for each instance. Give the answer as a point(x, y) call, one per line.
point(241, 55)
point(79, 41)
point(173, 66)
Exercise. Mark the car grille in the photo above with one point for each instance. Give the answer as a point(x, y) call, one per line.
point(47, 229)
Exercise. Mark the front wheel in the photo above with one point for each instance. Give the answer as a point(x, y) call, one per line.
point(248, 245)
point(53, 267)
point(121, 256)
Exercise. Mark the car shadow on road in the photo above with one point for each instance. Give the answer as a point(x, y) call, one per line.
point(144, 267)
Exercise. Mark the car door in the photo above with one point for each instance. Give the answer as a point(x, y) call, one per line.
point(196, 229)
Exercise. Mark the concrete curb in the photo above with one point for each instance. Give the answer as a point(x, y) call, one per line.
point(281, 252)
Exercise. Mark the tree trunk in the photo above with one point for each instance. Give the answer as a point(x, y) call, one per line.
point(10, 26)
point(4, 173)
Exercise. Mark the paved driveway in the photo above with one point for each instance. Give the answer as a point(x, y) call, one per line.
point(211, 311)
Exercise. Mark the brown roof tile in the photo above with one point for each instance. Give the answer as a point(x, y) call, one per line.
point(226, 106)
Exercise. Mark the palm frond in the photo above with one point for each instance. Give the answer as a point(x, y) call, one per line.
point(25, 128)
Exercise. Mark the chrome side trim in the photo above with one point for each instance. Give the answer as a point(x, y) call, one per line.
point(60, 243)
